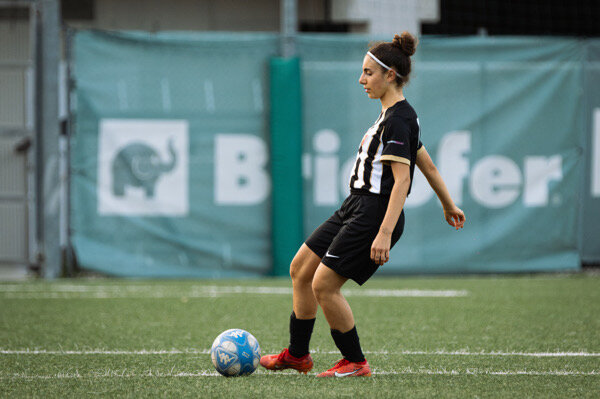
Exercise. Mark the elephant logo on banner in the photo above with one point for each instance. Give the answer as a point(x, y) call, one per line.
point(143, 167)
point(140, 165)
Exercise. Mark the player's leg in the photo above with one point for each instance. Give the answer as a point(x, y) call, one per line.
point(327, 286)
point(302, 270)
point(302, 319)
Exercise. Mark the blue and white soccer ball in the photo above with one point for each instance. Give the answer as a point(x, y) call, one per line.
point(235, 353)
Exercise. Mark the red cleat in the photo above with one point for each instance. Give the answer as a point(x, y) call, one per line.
point(286, 361)
point(344, 368)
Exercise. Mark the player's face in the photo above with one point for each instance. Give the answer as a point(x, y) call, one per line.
point(373, 79)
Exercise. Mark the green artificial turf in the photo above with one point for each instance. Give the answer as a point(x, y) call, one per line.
point(506, 336)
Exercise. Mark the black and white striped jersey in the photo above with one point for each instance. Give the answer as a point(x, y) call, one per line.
point(395, 137)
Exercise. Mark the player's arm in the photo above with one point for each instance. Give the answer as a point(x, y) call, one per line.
point(453, 214)
point(380, 249)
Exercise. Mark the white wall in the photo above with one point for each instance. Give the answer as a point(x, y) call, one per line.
point(155, 15)
point(387, 17)
point(367, 16)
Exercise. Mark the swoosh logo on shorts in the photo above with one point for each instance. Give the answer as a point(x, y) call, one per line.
point(345, 374)
point(328, 255)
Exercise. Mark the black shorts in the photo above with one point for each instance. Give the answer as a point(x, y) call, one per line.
point(343, 242)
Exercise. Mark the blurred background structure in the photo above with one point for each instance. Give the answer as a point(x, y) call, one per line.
point(58, 60)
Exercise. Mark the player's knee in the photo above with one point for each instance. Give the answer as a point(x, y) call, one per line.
point(296, 270)
point(301, 271)
point(317, 289)
point(320, 289)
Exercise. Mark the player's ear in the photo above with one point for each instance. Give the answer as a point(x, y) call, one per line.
point(390, 76)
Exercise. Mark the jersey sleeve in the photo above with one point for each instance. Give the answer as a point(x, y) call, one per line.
point(396, 141)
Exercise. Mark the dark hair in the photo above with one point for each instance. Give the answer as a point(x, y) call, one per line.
point(396, 54)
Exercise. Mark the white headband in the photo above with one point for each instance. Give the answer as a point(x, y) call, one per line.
point(382, 64)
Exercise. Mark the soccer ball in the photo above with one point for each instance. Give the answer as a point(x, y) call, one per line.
point(235, 353)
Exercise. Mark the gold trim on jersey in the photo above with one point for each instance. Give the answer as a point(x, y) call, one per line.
point(421, 149)
point(394, 158)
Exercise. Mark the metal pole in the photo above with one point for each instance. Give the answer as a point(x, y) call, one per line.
point(47, 137)
point(289, 27)
point(38, 146)
point(31, 155)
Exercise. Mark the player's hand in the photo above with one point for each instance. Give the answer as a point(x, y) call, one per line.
point(455, 217)
point(380, 249)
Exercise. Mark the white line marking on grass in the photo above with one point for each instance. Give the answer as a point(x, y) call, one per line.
point(103, 352)
point(492, 353)
point(206, 373)
point(66, 291)
point(314, 351)
point(488, 372)
point(406, 293)
point(110, 374)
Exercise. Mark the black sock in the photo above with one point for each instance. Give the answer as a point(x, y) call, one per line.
point(348, 344)
point(300, 332)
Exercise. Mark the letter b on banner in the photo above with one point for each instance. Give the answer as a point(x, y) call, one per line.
point(240, 170)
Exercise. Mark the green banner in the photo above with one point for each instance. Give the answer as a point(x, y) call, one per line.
point(179, 138)
point(501, 118)
point(590, 228)
point(169, 155)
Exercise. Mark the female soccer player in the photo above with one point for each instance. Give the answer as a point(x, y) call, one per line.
point(357, 239)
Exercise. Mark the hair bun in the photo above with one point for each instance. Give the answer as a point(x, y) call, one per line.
point(406, 42)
